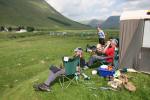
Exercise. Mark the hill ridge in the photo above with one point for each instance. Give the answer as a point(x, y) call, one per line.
point(36, 13)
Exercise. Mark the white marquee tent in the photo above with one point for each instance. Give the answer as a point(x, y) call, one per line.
point(135, 40)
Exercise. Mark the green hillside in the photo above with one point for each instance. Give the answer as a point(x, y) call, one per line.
point(37, 13)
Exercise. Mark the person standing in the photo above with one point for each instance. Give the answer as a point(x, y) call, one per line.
point(101, 36)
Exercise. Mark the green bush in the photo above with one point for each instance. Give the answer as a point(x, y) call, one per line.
point(2, 28)
point(9, 29)
point(30, 29)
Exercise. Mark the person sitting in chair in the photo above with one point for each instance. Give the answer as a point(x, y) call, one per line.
point(57, 71)
point(79, 52)
point(108, 51)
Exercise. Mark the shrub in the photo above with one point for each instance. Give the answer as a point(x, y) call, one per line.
point(2, 28)
point(9, 29)
point(30, 29)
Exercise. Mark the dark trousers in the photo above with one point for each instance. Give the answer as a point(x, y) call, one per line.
point(102, 41)
point(82, 62)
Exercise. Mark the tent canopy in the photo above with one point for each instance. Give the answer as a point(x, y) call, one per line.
point(132, 54)
point(138, 14)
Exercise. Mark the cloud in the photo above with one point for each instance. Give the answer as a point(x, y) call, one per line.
point(99, 9)
point(136, 5)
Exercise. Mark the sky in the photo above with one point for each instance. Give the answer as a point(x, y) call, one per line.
point(96, 9)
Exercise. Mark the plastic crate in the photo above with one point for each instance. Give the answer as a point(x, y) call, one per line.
point(105, 73)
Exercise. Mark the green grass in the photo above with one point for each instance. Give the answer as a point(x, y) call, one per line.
point(25, 61)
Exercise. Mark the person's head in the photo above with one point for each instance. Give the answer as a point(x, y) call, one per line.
point(99, 47)
point(78, 52)
point(113, 42)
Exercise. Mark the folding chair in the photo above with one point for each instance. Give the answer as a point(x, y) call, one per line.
point(116, 59)
point(70, 66)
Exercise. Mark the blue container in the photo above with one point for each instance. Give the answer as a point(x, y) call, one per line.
point(104, 72)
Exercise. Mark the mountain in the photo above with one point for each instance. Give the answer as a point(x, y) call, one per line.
point(36, 13)
point(112, 22)
point(93, 23)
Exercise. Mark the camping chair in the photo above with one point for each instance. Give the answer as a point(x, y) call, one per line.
point(116, 59)
point(70, 65)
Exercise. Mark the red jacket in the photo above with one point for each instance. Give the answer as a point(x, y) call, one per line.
point(110, 52)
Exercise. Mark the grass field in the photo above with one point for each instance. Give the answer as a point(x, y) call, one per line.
point(25, 60)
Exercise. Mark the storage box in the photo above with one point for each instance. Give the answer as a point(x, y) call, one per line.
point(104, 72)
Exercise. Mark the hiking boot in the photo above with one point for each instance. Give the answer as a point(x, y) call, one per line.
point(44, 87)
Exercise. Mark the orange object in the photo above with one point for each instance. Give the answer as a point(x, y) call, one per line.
point(110, 68)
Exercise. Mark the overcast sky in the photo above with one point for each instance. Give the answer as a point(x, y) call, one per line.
point(99, 9)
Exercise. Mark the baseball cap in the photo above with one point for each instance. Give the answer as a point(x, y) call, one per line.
point(78, 49)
